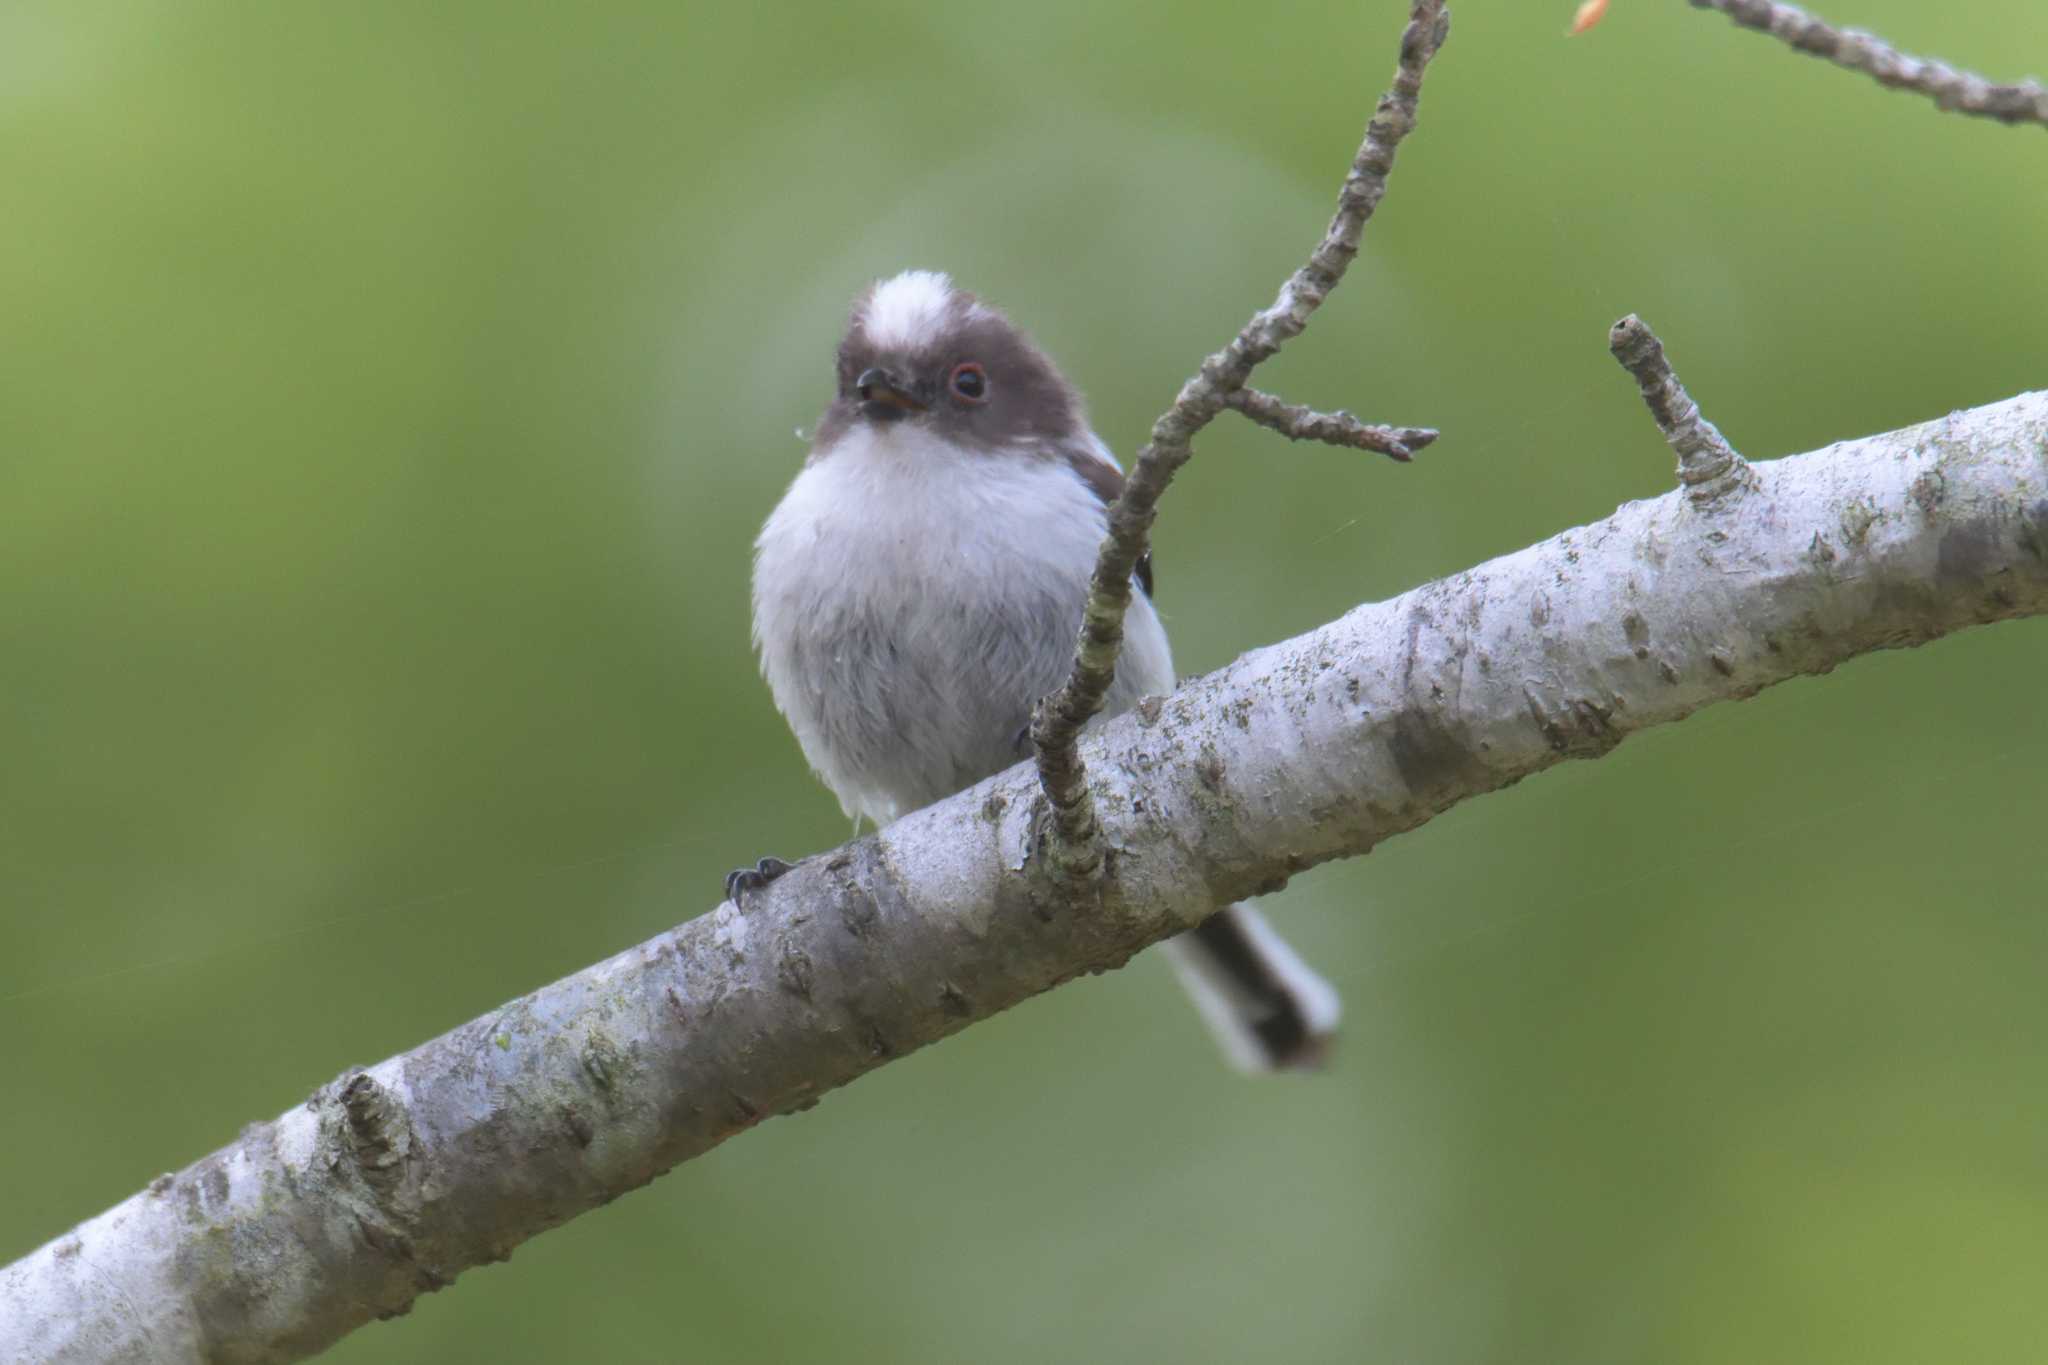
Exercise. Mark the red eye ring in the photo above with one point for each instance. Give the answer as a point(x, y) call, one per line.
point(969, 381)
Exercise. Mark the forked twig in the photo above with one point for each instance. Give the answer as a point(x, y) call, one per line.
point(1056, 727)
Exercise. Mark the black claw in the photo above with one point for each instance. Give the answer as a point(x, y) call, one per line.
point(747, 880)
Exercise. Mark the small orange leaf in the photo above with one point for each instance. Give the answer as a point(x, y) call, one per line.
point(1589, 14)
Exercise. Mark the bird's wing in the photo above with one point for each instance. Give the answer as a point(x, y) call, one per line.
point(1096, 467)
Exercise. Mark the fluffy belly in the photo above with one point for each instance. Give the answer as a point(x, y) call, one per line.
point(900, 702)
point(912, 606)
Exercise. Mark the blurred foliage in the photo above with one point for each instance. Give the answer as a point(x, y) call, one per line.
point(393, 390)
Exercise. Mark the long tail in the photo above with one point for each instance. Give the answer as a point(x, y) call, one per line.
point(1267, 1009)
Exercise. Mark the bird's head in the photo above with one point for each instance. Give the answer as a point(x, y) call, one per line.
point(921, 355)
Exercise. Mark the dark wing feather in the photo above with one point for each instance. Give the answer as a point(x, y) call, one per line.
point(1106, 482)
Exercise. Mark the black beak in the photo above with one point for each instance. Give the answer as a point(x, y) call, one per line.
point(884, 397)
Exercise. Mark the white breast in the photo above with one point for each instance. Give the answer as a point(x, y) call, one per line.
point(912, 601)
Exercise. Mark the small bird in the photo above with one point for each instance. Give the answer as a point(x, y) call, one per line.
point(920, 586)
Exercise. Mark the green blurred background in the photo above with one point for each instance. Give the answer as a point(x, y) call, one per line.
point(392, 391)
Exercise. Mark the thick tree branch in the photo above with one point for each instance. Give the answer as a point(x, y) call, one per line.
point(1963, 92)
point(390, 1181)
point(1076, 845)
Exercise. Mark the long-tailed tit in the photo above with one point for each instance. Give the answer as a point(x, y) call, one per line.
point(920, 587)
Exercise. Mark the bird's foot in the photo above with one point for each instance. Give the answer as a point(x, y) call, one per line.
point(745, 881)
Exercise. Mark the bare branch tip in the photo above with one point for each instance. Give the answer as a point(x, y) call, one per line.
point(1408, 440)
point(1429, 25)
point(1707, 465)
point(1628, 338)
point(1340, 428)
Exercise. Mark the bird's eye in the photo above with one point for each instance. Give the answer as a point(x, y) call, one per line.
point(970, 382)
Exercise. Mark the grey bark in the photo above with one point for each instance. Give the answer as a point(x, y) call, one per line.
point(390, 1181)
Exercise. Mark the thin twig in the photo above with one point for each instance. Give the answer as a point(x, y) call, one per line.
point(1963, 92)
point(1056, 728)
point(1707, 465)
point(1339, 428)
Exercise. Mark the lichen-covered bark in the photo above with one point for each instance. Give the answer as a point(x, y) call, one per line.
point(391, 1181)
